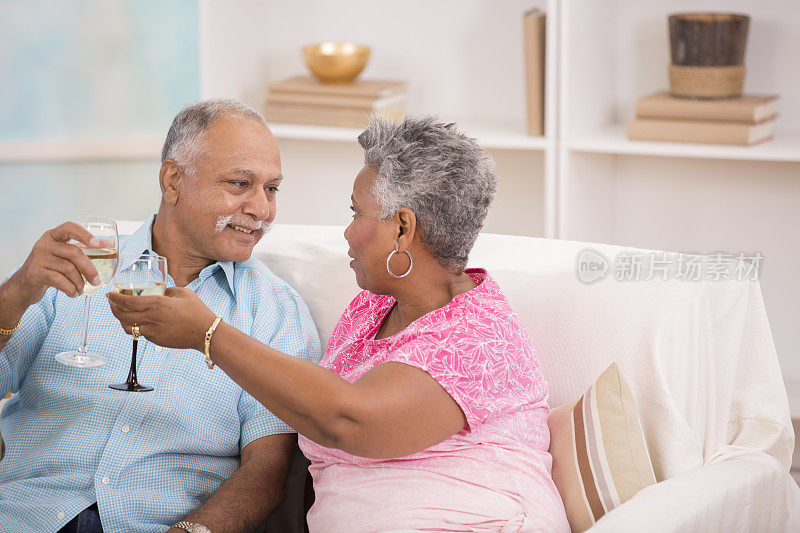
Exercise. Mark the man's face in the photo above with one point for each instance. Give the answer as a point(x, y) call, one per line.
point(227, 201)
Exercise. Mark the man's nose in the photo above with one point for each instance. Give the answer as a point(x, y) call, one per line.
point(259, 205)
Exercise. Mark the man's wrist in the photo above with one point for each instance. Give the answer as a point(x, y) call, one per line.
point(12, 293)
point(14, 304)
point(191, 527)
point(7, 332)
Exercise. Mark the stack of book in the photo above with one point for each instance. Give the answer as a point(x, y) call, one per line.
point(746, 120)
point(304, 100)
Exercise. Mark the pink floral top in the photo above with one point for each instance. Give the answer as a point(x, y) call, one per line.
point(494, 475)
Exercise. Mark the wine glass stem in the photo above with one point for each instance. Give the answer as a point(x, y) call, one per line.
point(86, 298)
point(132, 374)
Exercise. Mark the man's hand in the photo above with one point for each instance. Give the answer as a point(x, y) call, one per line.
point(245, 500)
point(54, 262)
point(179, 319)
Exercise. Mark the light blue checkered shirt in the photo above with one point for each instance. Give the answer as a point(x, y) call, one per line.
point(148, 459)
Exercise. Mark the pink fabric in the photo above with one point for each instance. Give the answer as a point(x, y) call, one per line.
point(493, 475)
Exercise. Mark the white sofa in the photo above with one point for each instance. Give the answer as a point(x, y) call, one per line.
point(698, 355)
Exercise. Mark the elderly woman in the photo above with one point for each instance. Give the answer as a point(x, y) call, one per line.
point(429, 409)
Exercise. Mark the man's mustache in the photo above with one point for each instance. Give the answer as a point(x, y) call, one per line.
point(227, 220)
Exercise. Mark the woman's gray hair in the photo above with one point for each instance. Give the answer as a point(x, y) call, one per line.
point(185, 135)
point(442, 175)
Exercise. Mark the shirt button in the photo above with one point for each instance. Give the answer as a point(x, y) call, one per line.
point(125, 429)
point(105, 481)
point(61, 515)
point(158, 348)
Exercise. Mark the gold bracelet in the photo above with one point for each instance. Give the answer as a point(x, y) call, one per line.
point(9, 332)
point(209, 334)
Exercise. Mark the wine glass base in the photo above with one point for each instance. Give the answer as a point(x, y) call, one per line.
point(131, 387)
point(79, 359)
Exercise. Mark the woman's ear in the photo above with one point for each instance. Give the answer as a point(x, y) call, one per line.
point(170, 177)
point(406, 228)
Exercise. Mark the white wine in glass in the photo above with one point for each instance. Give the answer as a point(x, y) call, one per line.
point(140, 288)
point(105, 259)
point(147, 276)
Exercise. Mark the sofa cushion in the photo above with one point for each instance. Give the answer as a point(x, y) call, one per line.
point(600, 458)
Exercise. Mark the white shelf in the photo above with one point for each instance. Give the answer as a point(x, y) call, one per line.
point(489, 136)
point(613, 140)
point(150, 148)
point(83, 150)
point(313, 133)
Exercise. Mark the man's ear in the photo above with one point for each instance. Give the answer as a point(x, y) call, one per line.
point(170, 177)
point(406, 228)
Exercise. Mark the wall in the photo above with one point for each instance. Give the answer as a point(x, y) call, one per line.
point(88, 70)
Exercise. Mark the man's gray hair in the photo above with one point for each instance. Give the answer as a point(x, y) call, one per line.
point(442, 175)
point(185, 135)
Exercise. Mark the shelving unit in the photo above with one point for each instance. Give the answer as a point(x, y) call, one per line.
point(481, 90)
point(675, 196)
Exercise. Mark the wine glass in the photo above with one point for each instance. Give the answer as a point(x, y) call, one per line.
point(147, 276)
point(104, 258)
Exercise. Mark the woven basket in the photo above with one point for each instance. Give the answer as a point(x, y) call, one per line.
point(706, 82)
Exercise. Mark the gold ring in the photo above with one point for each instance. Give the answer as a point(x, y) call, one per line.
point(135, 331)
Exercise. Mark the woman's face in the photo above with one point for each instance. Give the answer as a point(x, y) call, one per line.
point(371, 238)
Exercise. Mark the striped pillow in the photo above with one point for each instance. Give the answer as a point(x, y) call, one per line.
point(600, 458)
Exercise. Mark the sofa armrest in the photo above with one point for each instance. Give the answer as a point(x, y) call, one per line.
point(743, 491)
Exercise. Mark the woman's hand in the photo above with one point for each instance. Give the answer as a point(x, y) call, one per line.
point(179, 319)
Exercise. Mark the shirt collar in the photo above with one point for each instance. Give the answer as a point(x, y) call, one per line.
point(141, 242)
point(227, 267)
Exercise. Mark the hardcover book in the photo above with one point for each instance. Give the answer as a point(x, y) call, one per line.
point(343, 102)
point(360, 88)
point(748, 108)
point(534, 36)
point(698, 131)
point(341, 117)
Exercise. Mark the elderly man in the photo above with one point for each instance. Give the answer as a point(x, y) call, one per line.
point(198, 452)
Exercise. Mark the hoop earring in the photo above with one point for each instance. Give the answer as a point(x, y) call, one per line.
point(389, 270)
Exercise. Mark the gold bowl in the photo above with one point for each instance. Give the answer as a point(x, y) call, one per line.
point(336, 62)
